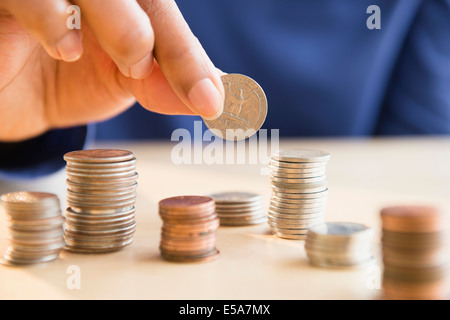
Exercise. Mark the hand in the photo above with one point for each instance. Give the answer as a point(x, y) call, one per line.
point(126, 50)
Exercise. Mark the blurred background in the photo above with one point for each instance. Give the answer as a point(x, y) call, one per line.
point(325, 73)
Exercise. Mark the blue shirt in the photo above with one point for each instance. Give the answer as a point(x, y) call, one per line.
point(323, 71)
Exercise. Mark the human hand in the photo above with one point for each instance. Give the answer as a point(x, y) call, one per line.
point(52, 77)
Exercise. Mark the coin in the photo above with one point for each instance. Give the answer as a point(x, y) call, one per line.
point(299, 189)
point(301, 155)
point(244, 110)
point(297, 165)
point(415, 252)
point(239, 208)
point(413, 219)
point(234, 197)
point(101, 198)
point(188, 233)
point(98, 156)
point(35, 227)
point(339, 244)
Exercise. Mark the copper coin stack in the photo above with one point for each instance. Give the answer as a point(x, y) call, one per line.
point(101, 196)
point(189, 229)
point(415, 253)
point(35, 226)
point(299, 191)
point(239, 208)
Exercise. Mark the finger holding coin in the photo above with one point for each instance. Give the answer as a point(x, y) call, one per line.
point(244, 111)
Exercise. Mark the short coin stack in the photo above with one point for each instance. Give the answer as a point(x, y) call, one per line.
point(101, 195)
point(239, 208)
point(339, 244)
point(415, 253)
point(189, 229)
point(35, 226)
point(299, 191)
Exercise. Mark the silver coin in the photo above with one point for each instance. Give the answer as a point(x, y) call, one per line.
point(326, 263)
point(106, 181)
point(95, 189)
point(244, 110)
point(301, 155)
point(296, 210)
point(239, 214)
point(341, 229)
point(281, 181)
point(109, 186)
point(299, 201)
point(294, 217)
point(101, 177)
point(239, 211)
point(301, 176)
point(9, 259)
point(297, 206)
point(107, 195)
point(88, 170)
point(248, 205)
point(280, 228)
point(99, 201)
point(298, 165)
point(302, 220)
point(238, 223)
point(102, 165)
point(235, 197)
point(300, 236)
point(30, 235)
point(299, 195)
point(280, 170)
point(102, 248)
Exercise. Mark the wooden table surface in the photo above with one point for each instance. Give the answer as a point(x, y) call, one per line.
point(364, 175)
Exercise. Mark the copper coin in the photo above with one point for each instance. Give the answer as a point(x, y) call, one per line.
point(98, 156)
point(412, 219)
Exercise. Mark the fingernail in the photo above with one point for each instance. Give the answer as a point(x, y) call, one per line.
point(143, 68)
point(206, 99)
point(70, 47)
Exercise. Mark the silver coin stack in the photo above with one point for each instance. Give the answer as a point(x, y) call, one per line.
point(339, 244)
point(101, 196)
point(299, 191)
point(35, 226)
point(239, 208)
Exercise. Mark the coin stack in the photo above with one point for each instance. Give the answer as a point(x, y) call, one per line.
point(189, 229)
point(339, 244)
point(35, 225)
point(415, 253)
point(101, 195)
point(239, 208)
point(299, 191)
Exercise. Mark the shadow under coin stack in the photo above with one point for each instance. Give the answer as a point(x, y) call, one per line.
point(339, 244)
point(299, 191)
point(415, 253)
point(239, 208)
point(35, 226)
point(101, 196)
point(189, 229)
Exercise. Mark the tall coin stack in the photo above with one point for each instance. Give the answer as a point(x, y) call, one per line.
point(101, 196)
point(299, 191)
point(339, 244)
point(189, 229)
point(35, 226)
point(415, 253)
point(239, 208)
